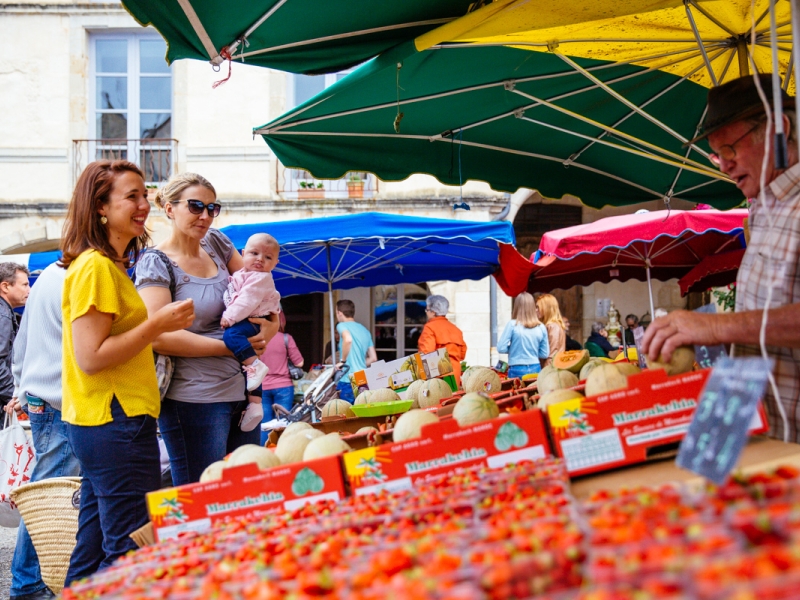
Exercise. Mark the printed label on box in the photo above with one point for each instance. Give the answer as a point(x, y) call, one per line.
point(445, 446)
point(243, 491)
point(610, 430)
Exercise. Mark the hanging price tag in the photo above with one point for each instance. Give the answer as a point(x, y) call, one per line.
point(719, 428)
point(707, 356)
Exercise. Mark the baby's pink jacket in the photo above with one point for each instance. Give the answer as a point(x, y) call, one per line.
point(250, 294)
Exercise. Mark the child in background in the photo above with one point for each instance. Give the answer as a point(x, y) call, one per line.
point(251, 293)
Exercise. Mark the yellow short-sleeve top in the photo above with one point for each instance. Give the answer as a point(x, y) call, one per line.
point(94, 280)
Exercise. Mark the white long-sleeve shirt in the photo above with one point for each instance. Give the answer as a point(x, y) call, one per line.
point(36, 364)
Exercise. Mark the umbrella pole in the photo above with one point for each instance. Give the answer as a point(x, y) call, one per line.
point(330, 307)
point(650, 291)
point(796, 52)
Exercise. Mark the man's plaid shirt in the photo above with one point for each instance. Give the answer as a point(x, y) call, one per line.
point(773, 258)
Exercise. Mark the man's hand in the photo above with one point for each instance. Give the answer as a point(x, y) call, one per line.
point(679, 328)
point(13, 405)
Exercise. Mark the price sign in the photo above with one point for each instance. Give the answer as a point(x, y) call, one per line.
point(719, 428)
point(707, 356)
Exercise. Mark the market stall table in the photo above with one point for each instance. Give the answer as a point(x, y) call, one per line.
point(761, 454)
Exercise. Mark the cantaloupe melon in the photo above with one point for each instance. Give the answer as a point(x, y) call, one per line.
point(556, 380)
point(409, 424)
point(483, 380)
point(466, 374)
point(682, 361)
point(571, 360)
point(213, 472)
point(473, 408)
point(433, 392)
point(292, 428)
point(327, 445)
point(363, 397)
point(588, 368)
point(557, 396)
point(445, 366)
point(366, 430)
point(252, 453)
point(383, 395)
point(605, 378)
point(412, 392)
point(627, 368)
point(546, 371)
point(291, 447)
point(337, 407)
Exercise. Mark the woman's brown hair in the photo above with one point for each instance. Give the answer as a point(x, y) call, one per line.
point(82, 228)
point(524, 311)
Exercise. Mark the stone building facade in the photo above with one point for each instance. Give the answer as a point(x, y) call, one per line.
point(81, 80)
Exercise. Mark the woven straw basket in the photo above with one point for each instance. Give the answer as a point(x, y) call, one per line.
point(52, 521)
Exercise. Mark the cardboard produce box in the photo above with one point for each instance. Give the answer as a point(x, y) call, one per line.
point(629, 426)
point(400, 373)
point(445, 446)
point(243, 491)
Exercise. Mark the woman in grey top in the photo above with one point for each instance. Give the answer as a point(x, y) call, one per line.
point(206, 397)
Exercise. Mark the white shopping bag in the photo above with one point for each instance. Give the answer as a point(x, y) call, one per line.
point(17, 459)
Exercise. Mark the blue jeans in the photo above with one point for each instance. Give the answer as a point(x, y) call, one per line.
point(120, 464)
point(281, 396)
point(345, 390)
point(235, 338)
point(520, 370)
point(54, 459)
point(197, 435)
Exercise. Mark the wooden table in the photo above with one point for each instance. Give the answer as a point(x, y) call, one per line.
point(760, 454)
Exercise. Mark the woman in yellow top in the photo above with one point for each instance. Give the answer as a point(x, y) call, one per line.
point(550, 315)
point(110, 392)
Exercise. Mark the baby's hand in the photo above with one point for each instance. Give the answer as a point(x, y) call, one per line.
point(225, 322)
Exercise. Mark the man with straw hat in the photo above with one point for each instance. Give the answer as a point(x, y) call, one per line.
point(743, 147)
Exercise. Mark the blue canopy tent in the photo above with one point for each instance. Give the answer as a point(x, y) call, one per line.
point(369, 249)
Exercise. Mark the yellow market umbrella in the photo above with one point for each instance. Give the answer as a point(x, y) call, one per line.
point(707, 41)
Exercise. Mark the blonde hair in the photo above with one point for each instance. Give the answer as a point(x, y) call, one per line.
point(263, 238)
point(171, 191)
point(524, 311)
point(549, 311)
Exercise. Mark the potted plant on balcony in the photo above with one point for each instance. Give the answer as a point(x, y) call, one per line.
point(355, 186)
point(152, 190)
point(310, 189)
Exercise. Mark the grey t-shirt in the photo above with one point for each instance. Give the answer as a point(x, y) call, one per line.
point(203, 379)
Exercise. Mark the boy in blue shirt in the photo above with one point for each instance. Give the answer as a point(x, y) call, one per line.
point(356, 348)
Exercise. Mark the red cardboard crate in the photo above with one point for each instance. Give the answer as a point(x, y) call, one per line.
point(619, 428)
point(244, 491)
point(445, 446)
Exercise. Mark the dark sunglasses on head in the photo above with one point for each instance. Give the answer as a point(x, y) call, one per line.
point(196, 207)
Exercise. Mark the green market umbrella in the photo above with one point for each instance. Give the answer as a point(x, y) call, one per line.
point(301, 36)
point(512, 118)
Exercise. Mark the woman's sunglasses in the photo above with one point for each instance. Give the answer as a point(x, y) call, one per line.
point(196, 207)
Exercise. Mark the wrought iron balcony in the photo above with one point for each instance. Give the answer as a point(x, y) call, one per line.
point(156, 157)
point(294, 183)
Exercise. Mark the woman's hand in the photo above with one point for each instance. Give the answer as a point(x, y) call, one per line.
point(13, 406)
point(174, 316)
point(269, 327)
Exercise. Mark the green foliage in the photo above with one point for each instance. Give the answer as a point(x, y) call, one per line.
point(726, 299)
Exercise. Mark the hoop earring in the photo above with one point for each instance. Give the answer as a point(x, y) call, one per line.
point(103, 220)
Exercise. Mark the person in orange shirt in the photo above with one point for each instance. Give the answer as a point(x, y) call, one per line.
point(441, 333)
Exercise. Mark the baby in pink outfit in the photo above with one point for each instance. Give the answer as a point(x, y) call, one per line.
point(251, 293)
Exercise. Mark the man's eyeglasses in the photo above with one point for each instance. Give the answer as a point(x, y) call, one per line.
point(196, 207)
point(728, 151)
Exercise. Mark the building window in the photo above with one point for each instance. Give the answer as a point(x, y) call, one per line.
point(304, 87)
point(398, 307)
point(132, 102)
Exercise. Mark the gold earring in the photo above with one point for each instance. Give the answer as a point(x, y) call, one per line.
point(103, 220)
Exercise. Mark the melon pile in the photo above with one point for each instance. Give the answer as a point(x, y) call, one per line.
point(298, 442)
point(375, 396)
